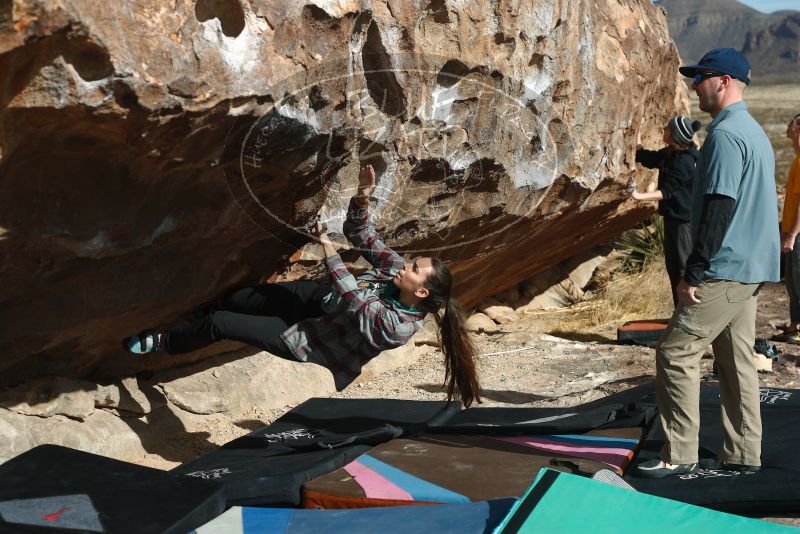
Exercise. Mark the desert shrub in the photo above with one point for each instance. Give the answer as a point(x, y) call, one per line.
point(641, 245)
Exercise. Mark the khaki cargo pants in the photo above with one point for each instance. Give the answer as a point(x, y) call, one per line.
point(724, 319)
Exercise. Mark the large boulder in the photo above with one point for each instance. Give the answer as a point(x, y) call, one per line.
point(154, 155)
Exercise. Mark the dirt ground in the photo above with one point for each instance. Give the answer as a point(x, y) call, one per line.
point(525, 364)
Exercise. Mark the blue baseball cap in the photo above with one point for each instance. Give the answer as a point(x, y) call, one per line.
point(722, 61)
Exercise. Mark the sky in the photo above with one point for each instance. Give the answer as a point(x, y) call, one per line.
point(768, 6)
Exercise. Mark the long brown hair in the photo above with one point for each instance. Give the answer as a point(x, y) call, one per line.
point(459, 352)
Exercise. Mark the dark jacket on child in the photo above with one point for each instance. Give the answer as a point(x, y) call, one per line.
point(675, 176)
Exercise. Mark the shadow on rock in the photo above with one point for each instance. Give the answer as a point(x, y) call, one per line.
point(161, 432)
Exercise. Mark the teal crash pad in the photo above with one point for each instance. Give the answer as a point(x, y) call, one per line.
point(565, 503)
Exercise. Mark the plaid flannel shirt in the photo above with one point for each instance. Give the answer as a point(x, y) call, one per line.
point(361, 324)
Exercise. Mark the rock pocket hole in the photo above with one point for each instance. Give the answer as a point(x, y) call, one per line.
point(430, 170)
point(317, 14)
point(438, 8)
point(483, 176)
point(89, 60)
point(5, 11)
point(373, 153)
point(558, 131)
point(536, 144)
point(452, 72)
point(229, 13)
point(124, 95)
point(382, 84)
point(316, 99)
point(537, 61)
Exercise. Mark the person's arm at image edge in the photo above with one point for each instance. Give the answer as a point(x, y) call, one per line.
point(648, 195)
point(787, 238)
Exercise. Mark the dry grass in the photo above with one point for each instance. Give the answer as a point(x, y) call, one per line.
point(625, 297)
point(643, 295)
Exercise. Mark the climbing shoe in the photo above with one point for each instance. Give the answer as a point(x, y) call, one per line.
point(143, 343)
point(658, 469)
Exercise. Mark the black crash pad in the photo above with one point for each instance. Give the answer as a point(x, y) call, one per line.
point(57, 489)
point(774, 489)
point(268, 467)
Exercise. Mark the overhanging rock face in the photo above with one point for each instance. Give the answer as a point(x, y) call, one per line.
point(155, 154)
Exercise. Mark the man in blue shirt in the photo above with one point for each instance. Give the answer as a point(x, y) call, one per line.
point(736, 247)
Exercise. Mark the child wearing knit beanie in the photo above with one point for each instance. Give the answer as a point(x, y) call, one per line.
point(675, 163)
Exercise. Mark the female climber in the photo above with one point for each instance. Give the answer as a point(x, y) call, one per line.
point(675, 164)
point(342, 324)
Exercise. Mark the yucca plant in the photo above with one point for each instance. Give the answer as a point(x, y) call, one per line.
point(641, 244)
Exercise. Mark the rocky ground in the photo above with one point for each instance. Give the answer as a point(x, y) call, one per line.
point(522, 364)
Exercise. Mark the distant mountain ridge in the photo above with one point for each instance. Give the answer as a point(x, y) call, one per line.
point(770, 41)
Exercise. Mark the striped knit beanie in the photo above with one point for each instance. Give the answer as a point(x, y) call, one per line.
point(683, 129)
